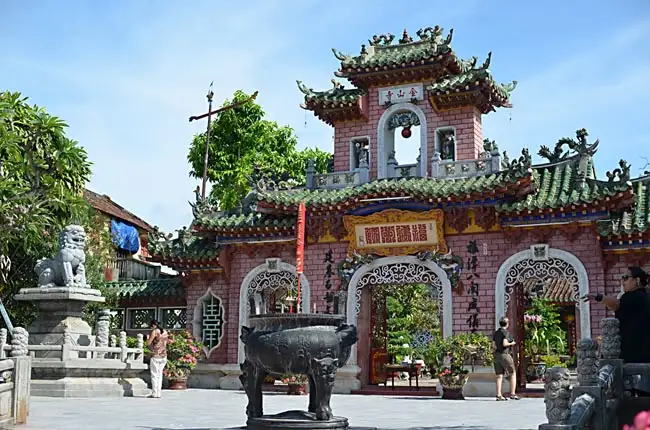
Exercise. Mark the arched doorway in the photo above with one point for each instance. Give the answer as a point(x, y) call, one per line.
point(386, 137)
point(399, 271)
point(276, 277)
point(541, 262)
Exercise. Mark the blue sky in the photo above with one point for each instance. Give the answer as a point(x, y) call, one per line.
point(126, 75)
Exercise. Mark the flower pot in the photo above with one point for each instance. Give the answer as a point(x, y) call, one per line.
point(178, 384)
point(296, 389)
point(452, 393)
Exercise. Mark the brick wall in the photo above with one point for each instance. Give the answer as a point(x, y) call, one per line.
point(585, 247)
point(466, 121)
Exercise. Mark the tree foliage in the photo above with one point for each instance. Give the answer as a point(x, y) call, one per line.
point(409, 309)
point(244, 145)
point(42, 177)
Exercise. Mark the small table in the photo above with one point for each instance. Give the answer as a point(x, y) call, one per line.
point(411, 369)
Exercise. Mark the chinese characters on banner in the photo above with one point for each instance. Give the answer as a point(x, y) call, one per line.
point(473, 290)
point(402, 93)
point(402, 234)
point(300, 248)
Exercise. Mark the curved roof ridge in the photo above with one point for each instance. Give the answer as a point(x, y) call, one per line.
point(589, 152)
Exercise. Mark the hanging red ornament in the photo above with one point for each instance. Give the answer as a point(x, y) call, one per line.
point(406, 132)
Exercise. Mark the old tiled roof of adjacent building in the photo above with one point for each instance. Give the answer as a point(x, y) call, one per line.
point(104, 204)
point(557, 290)
point(186, 251)
point(128, 289)
point(634, 219)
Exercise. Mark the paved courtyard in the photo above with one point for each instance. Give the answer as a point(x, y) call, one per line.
point(216, 409)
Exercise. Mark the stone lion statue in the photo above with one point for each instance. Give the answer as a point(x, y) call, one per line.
point(67, 268)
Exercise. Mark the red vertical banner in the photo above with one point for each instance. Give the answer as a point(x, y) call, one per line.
point(300, 249)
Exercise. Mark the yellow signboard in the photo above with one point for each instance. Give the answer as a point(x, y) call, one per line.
point(396, 232)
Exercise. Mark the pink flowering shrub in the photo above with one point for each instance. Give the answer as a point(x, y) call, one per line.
point(183, 352)
point(641, 422)
point(532, 318)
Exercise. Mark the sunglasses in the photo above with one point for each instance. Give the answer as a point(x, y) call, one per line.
point(625, 277)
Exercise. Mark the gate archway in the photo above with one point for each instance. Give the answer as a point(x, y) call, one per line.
point(541, 262)
point(396, 271)
point(271, 275)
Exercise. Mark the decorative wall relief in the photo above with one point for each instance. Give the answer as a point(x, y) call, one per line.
point(473, 308)
point(451, 264)
point(329, 296)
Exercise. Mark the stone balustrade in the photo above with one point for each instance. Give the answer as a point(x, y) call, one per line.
point(15, 378)
point(68, 350)
point(449, 169)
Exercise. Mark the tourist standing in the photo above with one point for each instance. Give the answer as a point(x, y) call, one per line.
point(157, 343)
point(632, 309)
point(504, 364)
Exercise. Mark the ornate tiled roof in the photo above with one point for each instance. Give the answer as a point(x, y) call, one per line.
point(570, 181)
point(478, 187)
point(333, 105)
point(475, 85)
point(635, 219)
point(253, 220)
point(170, 287)
point(561, 186)
point(183, 252)
point(382, 56)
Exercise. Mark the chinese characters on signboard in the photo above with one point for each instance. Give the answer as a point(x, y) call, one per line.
point(402, 93)
point(397, 234)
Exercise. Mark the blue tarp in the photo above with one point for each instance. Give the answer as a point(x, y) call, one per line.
point(125, 236)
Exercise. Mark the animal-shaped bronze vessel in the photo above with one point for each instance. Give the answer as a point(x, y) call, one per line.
point(316, 345)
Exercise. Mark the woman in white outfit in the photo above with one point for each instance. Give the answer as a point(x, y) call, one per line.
point(157, 343)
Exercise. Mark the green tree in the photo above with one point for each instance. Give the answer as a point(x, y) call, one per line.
point(42, 177)
point(244, 146)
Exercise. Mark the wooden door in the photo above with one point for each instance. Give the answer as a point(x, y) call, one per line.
point(378, 337)
point(516, 309)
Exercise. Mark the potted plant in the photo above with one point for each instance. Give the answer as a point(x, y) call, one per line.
point(183, 353)
point(544, 337)
point(296, 384)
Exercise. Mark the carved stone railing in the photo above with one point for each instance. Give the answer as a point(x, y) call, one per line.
point(447, 169)
point(595, 401)
point(404, 170)
point(337, 179)
point(68, 350)
point(15, 378)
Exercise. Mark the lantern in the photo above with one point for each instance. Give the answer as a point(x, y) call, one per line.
point(406, 132)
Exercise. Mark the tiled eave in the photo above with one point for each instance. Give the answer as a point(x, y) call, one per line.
point(593, 211)
point(630, 242)
point(331, 115)
point(520, 188)
point(430, 69)
point(240, 231)
point(483, 97)
point(182, 264)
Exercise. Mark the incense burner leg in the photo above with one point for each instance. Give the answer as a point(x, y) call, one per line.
point(252, 378)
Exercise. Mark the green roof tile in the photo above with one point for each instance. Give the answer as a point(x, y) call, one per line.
point(383, 53)
point(334, 97)
point(635, 219)
point(186, 246)
point(250, 220)
point(471, 78)
point(171, 287)
point(565, 183)
point(416, 187)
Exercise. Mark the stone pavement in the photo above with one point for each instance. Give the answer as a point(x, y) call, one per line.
point(218, 409)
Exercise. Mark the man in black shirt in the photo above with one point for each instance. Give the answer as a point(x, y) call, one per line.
point(632, 310)
point(503, 361)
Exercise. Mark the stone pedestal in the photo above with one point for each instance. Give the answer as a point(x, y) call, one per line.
point(60, 311)
point(78, 374)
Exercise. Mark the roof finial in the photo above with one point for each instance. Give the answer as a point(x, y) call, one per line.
point(364, 51)
point(405, 38)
